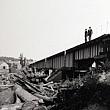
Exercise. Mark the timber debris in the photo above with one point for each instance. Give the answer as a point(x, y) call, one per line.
point(26, 90)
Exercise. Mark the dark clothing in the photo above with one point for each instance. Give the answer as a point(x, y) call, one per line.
point(89, 37)
point(90, 33)
point(86, 34)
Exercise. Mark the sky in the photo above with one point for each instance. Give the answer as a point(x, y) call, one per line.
point(41, 28)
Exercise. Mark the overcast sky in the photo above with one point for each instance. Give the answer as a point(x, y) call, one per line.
point(40, 28)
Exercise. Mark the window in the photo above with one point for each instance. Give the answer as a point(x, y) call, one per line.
point(4, 67)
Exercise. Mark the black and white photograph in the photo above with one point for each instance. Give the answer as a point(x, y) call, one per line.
point(54, 55)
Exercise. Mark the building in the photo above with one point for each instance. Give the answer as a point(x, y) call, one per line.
point(4, 67)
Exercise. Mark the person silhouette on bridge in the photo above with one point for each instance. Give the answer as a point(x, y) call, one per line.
point(86, 34)
point(90, 32)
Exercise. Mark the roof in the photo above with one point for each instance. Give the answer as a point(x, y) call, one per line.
point(2, 62)
point(55, 55)
point(43, 60)
point(94, 41)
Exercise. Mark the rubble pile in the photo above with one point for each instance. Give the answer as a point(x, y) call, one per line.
point(18, 91)
point(92, 94)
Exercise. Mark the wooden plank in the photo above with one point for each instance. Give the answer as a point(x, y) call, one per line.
point(24, 95)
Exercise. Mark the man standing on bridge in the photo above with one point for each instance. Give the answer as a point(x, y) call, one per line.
point(90, 32)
